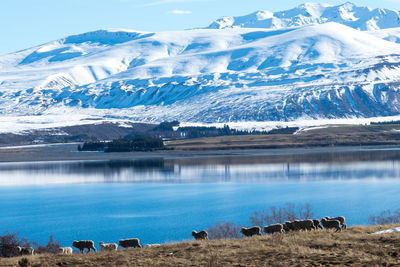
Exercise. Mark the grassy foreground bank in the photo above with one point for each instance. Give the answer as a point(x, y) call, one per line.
point(353, 247)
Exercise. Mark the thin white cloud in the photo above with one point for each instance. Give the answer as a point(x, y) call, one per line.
point(180, 12)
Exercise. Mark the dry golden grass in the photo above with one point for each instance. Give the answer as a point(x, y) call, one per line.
point(353, 247)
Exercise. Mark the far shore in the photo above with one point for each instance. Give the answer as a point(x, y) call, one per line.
point(310, 144)
point(69, 152)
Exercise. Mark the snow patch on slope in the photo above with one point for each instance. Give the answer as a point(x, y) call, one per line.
point(391, 35)
point(393, 230)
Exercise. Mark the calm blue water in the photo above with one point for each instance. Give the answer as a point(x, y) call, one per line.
point(162, 201)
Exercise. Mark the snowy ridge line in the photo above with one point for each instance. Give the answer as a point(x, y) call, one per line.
point(361, 18)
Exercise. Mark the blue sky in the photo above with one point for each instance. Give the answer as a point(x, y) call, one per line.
point(26, 23)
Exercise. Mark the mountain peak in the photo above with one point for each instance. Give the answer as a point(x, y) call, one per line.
point(348, 5)
point(313, 9)
point(313, 5)
point(262, 14)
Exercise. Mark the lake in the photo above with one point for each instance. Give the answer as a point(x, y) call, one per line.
point(163, 199)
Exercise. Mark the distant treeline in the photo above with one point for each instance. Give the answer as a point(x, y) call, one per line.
point(141, 143)
point(197, 131)
point(166, 129)
point(385, 122)
point(153, 139)
point(172, 130)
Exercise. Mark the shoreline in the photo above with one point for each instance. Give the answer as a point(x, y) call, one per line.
point(69, 152)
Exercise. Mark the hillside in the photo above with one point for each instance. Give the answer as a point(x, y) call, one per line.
point(353, 247)
point(319, 68)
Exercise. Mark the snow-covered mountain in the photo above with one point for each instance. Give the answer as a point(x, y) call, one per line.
point(305, 71)
point(361, 18)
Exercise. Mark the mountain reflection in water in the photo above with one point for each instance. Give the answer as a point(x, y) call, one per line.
point(361, 164)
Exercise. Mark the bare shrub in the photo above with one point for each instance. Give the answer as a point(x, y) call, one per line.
point(289, 212)
point(9, 243)
point(265, 217)
point(280, 215)
point(52, 246)
point(305, 212)
point(222, 230)
point(386, 217)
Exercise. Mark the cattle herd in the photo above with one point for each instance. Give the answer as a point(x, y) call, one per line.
point(337, 223)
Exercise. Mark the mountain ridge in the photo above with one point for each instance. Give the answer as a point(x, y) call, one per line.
point(308, 72)
point(361, 18)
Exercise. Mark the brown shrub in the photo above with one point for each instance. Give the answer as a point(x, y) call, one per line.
point(287, 213)
point(386, 217)
point(9, 242)
point(222, 230)
point(52, 246)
